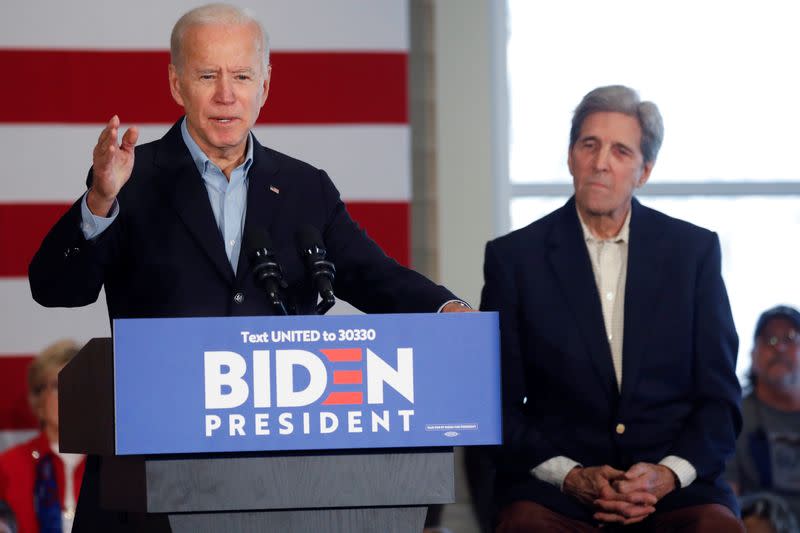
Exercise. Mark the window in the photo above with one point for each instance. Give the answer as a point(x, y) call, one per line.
point(722, 75)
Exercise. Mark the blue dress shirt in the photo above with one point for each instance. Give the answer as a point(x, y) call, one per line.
point(228, 198)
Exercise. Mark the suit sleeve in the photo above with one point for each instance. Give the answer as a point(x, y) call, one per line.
point(68, 270)
point(365, 276)
point(709, 435)
point(524, 446)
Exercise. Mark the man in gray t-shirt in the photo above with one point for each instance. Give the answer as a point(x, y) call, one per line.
point(767, 459)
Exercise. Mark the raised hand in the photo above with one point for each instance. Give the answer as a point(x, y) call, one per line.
point(112, 164)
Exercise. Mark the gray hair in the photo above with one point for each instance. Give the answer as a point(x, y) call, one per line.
point(211, 14)
point(621, 99)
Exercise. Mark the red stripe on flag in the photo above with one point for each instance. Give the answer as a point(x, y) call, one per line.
point(22, 229)
point(23, 226)
point(388, 224)
point(89, 86)
point(347, 377)
point(342, 355)
point(15, 412)
point(344, 398)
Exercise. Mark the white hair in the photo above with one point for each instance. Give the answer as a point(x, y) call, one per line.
point(214, 14)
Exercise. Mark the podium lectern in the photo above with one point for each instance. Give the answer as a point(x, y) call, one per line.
point(304, 437)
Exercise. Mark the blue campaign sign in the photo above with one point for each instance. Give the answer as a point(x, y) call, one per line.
point(191, 385)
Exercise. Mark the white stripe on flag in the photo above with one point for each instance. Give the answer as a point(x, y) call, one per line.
point(27, 327)
point(146, 24)
point(48, 163)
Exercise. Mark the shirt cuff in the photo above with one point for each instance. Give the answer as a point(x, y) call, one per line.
point(462, 302)
point(554, 470)
point(93, 225)
point(683, 469)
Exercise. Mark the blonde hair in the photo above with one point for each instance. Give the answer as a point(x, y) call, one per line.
point(56, 355)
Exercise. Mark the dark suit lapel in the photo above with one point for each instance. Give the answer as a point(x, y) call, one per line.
point(642, 287)
point(263, 199)
point(572, 267)
point(185, 189)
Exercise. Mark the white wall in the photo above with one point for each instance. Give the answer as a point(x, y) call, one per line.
point(467, 110)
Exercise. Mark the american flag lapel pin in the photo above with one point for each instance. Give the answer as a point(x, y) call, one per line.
point(274, 189)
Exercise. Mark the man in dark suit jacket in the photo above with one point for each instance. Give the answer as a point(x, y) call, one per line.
point(621, 401)
point(161, 226)
point(163, 230)
point(164, 254)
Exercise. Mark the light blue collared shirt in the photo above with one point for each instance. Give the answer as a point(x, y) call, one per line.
point(228, 198)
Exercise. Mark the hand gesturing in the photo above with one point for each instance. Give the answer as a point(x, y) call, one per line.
point(112, 164)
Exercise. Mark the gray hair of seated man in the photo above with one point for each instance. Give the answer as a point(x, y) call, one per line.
point(621, 99)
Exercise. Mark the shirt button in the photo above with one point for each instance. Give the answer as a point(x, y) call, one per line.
point(609, 295)
point(232, 242)
point(610, 337)
point(238, 297)
point(620, 429)
point(35, 454)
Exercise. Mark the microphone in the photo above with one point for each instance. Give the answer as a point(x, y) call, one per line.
point(266, 270)
point(312, 250)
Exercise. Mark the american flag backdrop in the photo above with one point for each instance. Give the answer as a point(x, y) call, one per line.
point(338, 100)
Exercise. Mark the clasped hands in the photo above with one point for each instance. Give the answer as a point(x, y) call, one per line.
point(620, 497)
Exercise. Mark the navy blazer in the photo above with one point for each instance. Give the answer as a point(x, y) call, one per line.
point(680, 395)
point(164, 255)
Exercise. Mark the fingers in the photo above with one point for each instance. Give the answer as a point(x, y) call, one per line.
point(635, 498)
point(107, 141)
point(616, 512)
point(109, 132)
point(113, 123)
point(639, 477)
point(616, 504)
point(625, 509)
point(112, 163)
point(638, 470)
point(641, 484)
point(641, 498)
point(130, 138)
point(611, 473)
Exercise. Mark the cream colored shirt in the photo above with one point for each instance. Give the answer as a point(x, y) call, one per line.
point(610, 267)
point(609, 258)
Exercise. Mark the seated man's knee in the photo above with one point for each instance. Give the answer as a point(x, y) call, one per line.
point(527, 516)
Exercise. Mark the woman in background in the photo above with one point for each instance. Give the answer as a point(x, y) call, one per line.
point(41, 484)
